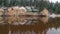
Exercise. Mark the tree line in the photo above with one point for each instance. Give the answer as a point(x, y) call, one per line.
point(40, 4)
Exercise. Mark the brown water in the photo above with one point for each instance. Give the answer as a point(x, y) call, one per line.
point(34, 25)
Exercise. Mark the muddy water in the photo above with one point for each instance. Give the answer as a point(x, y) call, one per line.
point(33, 25)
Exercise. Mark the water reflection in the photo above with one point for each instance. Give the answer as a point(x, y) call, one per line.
point(21, 20)
point(44, 19)
point(4, 29)
point(1, 20)
point(32, 25)
point(26, 20)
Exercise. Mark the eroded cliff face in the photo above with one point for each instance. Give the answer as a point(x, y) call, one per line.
point(16, 11)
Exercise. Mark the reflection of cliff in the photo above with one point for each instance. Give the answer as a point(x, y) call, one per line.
point(1, 20)
point(39, 28)
point(21, 20)
point(16, 20)
point(44, 19)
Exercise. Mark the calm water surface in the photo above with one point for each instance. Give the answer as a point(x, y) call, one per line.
point(33, 25)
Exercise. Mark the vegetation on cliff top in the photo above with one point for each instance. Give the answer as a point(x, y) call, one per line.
point(39, 4)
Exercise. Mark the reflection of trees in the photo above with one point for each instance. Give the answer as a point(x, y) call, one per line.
point(37, 28)
point(4, 29)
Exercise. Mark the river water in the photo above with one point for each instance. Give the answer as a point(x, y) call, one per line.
point(33, 25)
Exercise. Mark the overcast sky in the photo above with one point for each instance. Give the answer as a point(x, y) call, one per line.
point(54, 0)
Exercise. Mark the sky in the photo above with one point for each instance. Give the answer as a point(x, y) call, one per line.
point(54, 0)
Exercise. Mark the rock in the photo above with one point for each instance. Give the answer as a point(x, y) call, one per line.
point(44, 12)
point(16, 11)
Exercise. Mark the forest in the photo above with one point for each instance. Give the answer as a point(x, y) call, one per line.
point(39, 4)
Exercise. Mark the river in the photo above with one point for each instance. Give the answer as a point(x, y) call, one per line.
point(33, 25)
